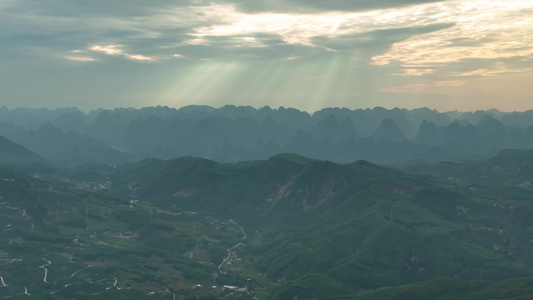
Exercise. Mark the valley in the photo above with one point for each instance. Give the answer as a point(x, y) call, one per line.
point(86, 247)
point(286, 227)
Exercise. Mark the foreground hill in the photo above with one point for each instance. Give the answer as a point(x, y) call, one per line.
point(319, 229)
point(283, 228)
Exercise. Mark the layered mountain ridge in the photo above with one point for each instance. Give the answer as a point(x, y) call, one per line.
point(128, 222)
point(395, 136)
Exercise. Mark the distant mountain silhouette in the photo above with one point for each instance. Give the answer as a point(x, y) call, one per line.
point(389, 130)
point(236, 133)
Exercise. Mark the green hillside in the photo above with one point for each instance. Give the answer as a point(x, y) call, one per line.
point(284, 228)
point(455, 289)
point(323, 229)
point(69, 240)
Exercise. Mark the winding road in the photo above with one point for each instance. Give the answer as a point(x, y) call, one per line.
point(227, 257)
point(45, 269)
point(24, 216)
point(245, 235)
point(229, 251)
point(88, 266)
point(164, 288)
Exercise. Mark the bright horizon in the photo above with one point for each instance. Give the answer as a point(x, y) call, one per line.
point(258, 108)
point(444, 55)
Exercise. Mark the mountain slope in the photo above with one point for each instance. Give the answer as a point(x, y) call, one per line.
point(69, 240)
point(284, 228)
point(14, 153)
point(323, 229)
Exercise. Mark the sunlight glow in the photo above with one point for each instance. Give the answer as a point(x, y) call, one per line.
point(483, 29)
point(109, 49)
point(424, 88)
point(496, 69)
point(115, 50)
point(138, 57)
point(207, 81)
point(415, 72)
point(80, 58)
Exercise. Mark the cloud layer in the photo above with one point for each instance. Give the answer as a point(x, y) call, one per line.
point(402, 47)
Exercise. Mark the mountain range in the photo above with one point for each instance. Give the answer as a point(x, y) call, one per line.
point(229, 134)
point(162, 203)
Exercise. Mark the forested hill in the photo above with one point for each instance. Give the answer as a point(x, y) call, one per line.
point(230, 133)
point(283, 228)
point(324, 230)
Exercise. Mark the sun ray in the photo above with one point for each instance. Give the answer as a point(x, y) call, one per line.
point(200, 82)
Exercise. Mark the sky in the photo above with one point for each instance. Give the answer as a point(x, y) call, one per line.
point(307, 54)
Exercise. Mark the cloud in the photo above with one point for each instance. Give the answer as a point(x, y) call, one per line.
point(299, 6)
point(138, 57)
point(411, 32)
point(457, 30)
point(302, 28)
point(415, 71)
point(497, 68)
point(115, 50)
point(80, 58)
point(172, 26)
point(483, 29)
point(373, 42)
point(425, 88)
point(283, 49)
point(109, 49)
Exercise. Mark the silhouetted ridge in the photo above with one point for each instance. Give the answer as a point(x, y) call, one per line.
point(8, 147)
point(243, 133)
point(428, 133)
point(389, 130)
point(289, 158)
point(513, 158)
point(14, 153)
